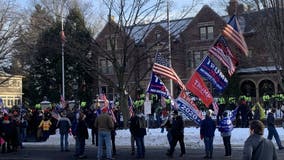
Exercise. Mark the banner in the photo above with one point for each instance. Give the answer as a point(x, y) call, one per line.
point(187, 107)
point(210, 71)
point(197, 86)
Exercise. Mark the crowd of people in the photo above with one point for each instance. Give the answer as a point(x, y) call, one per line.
point(18, 125)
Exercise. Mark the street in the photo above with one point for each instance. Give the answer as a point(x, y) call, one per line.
point(52, 152)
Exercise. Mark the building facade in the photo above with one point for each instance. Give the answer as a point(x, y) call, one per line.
point(191, 39)
point(11, 89)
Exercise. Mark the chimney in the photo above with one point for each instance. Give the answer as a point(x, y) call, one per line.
point(110, 18)
point(232, 8)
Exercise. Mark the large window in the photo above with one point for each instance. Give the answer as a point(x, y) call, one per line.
point(206, 33)
point(108, 91)
point(111, 42)
point(195, 59)
point(105, 66)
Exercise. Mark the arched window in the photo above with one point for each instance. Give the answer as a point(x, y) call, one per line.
point(266, 87)
point(248, 88)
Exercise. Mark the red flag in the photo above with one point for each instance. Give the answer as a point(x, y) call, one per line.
point(62, 37)
point(199, 88)
point(233, 32)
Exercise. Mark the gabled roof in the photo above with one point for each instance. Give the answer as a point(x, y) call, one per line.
point(139, 32)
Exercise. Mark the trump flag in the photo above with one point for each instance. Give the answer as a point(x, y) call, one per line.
point(199, 88)
point(210, 71)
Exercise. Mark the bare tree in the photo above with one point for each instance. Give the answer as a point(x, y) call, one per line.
point(121, 59)
point(272, 25)
point(9, 30)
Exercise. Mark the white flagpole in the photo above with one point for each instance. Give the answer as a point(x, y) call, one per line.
point(169, 45)
point(62, 54)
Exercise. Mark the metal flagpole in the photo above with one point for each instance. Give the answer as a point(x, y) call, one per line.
point(169, 45)
point(62, 54)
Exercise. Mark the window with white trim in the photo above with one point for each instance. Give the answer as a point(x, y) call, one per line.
point(206, 33)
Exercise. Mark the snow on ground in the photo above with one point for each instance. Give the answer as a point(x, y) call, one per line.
point(154, 138)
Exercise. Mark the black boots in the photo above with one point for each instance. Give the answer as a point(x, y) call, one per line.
point(208, 155)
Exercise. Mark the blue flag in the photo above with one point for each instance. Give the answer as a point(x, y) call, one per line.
point(1, 102)
point(156, 86)
point(210, 71)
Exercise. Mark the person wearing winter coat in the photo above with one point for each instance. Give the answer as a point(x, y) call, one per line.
point(104, 124)
point(139, 131)
point(80, 135)
point(207, 130)
point(6, 132)
point(256, 147)
point(259, 112)
point(45, 125)
point(177, 132)
point(226, 126)
point(64, 125)
point(271, 128)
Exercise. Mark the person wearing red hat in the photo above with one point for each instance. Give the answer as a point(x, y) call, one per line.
point(104, 124)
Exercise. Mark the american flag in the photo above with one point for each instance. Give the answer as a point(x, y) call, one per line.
point(215, 107)
point(233, 32)
point(104, 98)
point(106, 105)
point(223, 53)
point(162, 67)
point(130, 106)
point(62, 101)
point(62, 37)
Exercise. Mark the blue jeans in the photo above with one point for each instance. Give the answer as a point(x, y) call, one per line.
point(208, 142)
point(140, 147)
point(64, 137)
point(273, 132)
point(104, 136)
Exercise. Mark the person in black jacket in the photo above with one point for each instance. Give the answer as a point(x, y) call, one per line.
point(80, 135)
point(177, 134)
point(139, 131)
point(271, 128)
point(131, 128)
